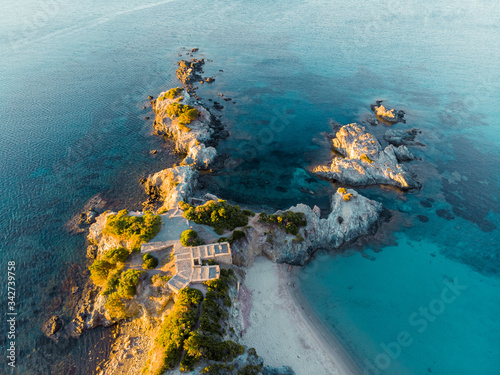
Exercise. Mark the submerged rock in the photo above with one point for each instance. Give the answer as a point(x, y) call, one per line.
point(52, 326)
point(364, 162)
point(402, 153)
point(401, 137)
point(349, 219)
point(172, 185)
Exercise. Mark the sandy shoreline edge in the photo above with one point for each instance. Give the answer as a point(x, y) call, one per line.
point(284, 330)
point(347, 363)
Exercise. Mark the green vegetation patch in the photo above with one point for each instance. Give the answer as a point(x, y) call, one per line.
point(176, 329)
point(289, 221)
point(115, 307)
point(236, 235)
point(171, 94)
point(191, 238)
point(185, 114)
point(127, 283)
point(117, 255)
point(220, 215)
point(119, 287)
point(149, 261)
point(100, 270)
point(207, 341)
point(138, 229)
point(160, 279)
point(111, 263)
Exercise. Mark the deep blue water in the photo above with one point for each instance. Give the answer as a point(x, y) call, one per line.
point(74, 79)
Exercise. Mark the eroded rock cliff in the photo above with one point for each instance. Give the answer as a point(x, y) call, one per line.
point(352, 216)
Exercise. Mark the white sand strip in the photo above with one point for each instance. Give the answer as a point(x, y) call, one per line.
point(281, 332)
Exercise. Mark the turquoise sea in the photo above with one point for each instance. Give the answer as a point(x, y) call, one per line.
point(74, 77)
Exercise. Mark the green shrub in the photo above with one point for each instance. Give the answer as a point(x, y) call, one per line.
point(139, 229)
point(171, 94)
point(178, 325)
point(127, 283)
point(188, 116)
point(99, 271)
point(116, 255)
point(115, 307)
point(217, 369)
point(185, 114)
point(236, 235)
point(187, 362)
point(289, 221)
point(207, 341)
point(291, 228)
point(111, 283)
point(162, 279)
point(219, 215)
point(223, 239)
point(149, 261)
point(190, 238)
point(248, 212)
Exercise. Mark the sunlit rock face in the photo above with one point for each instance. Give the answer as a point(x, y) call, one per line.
point(352, 215)
point(172, 185)
point(363, 161)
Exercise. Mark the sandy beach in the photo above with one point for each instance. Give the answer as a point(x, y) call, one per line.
point(281, 331)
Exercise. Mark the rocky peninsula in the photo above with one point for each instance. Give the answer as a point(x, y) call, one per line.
point(361, 161)
point(129, 289)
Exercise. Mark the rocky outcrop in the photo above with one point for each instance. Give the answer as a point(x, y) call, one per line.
point(52, 326)
point(99, 242)
point(364, 162)
point(80, 222)
point(401, 137)
point(91, 312)
point(402, 153)
point(185, 136)
point(352, 216)
point(172, 185)
point(190, 72)
point(391, 116)
point(200, 156)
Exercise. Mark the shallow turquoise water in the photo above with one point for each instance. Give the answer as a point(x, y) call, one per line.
point(75, 78)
